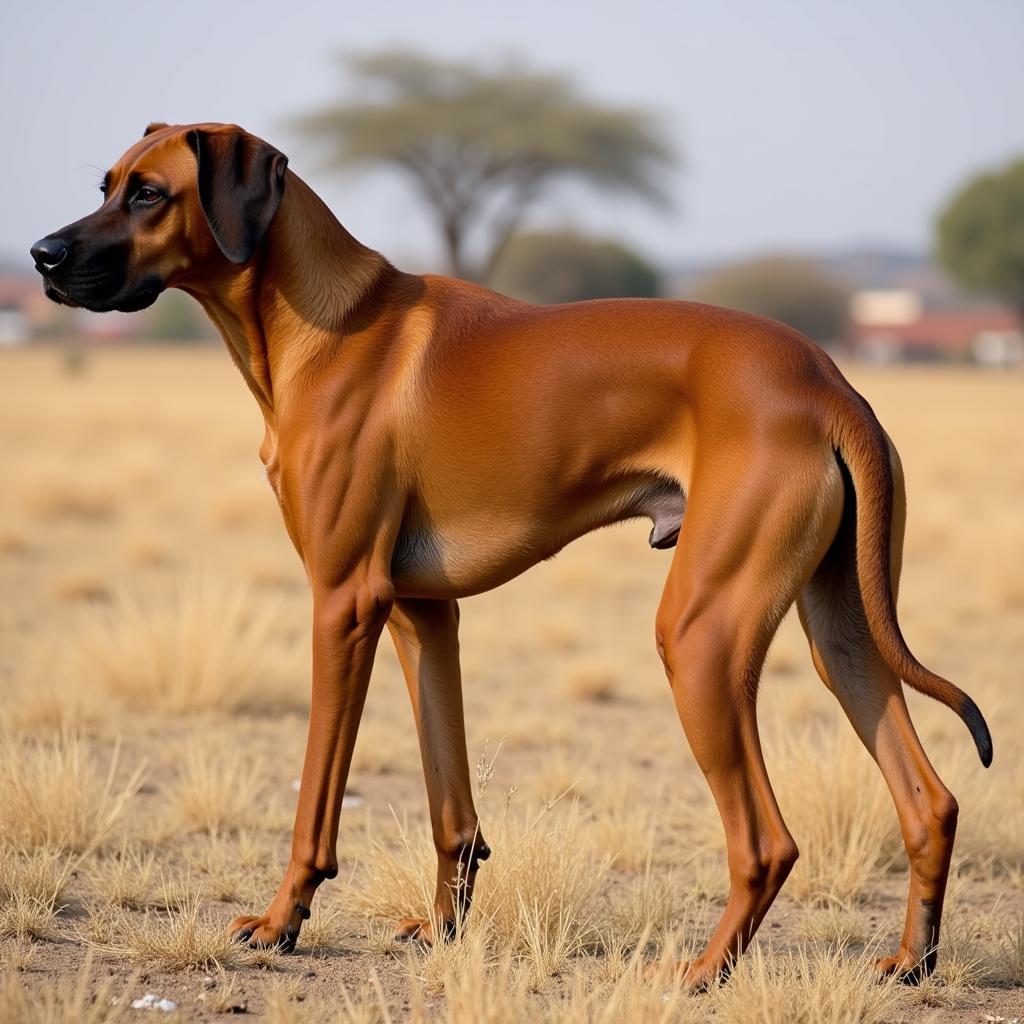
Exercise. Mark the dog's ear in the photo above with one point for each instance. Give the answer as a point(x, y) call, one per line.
point(154, 126)
point(241, 181)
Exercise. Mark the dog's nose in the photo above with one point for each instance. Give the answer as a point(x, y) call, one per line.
point(49, 253)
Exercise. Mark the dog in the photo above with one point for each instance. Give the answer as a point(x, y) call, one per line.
point(428, 439)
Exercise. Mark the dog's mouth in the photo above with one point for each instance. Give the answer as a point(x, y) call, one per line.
point(55, 294)
point(138, 298)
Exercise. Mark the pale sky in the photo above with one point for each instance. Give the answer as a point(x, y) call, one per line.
point(803, 123)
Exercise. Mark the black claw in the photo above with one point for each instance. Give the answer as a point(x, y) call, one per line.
point(470, 854)
point(914, 976)
point(244, 935)
point(288, 938)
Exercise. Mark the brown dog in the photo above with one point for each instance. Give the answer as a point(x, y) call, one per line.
point(428, 439)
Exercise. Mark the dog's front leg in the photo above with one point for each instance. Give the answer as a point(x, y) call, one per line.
point(347, 622)
point(426, 635)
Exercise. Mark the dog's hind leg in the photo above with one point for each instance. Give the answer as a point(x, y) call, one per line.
point(832, 614)
point(754, 531)
point(426, 637)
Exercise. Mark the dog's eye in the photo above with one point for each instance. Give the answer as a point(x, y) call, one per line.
point(147, 196)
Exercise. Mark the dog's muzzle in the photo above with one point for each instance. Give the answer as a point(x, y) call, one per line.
point(49, 253)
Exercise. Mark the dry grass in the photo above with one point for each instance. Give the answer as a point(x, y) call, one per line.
point(216, 788)
point(17, 956)
point(592, 681)
point(70, 1000)
point(837, 925)
point(1011, 954)
point(183, 938)
point(540, 897)
point(41, 702)
point(69, 498)
point(837, 808)
point(122, 877)
point(32, 884)
point(811, 986)
point(80, 585)
point(623, 828)
point(205, 645)
point(835, 803)
point(205, 680)
point(54, 796)
point(235, 867)
point(383, 750)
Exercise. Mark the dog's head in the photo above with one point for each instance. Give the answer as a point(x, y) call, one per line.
point(181, 201)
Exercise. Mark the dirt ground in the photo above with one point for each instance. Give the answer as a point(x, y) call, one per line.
point(154, 672)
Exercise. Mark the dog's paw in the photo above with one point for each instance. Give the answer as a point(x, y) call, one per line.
point(696, 975)
point(268, 933)
point(414, 929)
point(907, 967)
point(419, 929)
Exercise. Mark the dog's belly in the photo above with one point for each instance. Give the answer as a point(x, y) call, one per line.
point(472, 554)
point(431, 563)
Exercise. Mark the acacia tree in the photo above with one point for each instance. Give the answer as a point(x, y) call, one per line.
point(480, 145)
point(981, 235)
point(793, 290)
point(563, 266)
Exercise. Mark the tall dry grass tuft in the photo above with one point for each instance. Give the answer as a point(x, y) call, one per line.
point(205, 646)
point(476, 988)
point(495, 989)
point(287, 1004)
point(542, 894)
point(623, 824)
point(634, 991)
point(31, 886)
point(390, 881)
point(42, 701)
point(235, 868)
point(1011, 954)
point(539, 896)
point(836, 925)
point(53, 795)
point(651, 909)
point(17, 956)
point(122, 877)
point(65, 497)
point(214, 789)
point(73, 1000)
point(991, 825)
point(181, 939)
point(816, 985)
point(592, 680)
point(838, 810)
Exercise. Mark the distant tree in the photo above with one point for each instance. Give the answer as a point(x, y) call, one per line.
point(481, 145)
point(562, 266)
point(796, 291)
point(175, 317)
point(980, 235)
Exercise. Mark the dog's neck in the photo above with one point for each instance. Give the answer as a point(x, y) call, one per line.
point(288, 308)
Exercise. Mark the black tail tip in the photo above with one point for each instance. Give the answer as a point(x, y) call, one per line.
point(975, 721)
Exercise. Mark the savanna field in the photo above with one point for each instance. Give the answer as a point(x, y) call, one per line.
point(154, 659)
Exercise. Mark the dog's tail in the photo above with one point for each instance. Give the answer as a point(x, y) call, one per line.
point(864, 448)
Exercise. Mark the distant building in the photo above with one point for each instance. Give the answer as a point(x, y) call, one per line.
point(25, 312)
point(892, 325)
point(14, 325)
